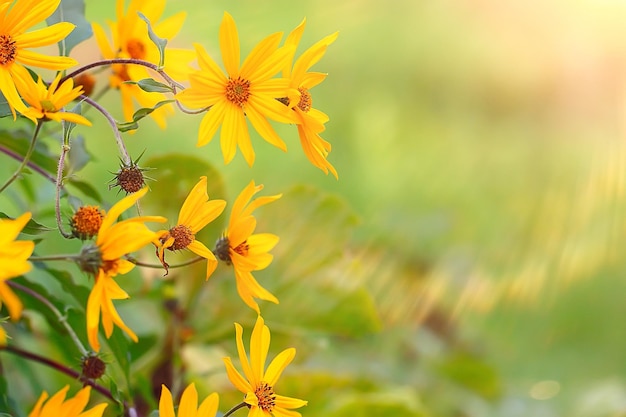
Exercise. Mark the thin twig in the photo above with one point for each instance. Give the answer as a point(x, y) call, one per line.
point(29, 153)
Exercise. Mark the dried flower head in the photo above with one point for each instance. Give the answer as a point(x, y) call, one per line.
point(93, 367)
point(87, 81)
point(130, 177)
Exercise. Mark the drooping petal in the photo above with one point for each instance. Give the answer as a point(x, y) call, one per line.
point(231, 127)
point(235, 377)
point(200, 249)
point(211, 122)
point(120, 207)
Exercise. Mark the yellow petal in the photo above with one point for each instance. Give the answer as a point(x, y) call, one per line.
point(243, 358)
point(209, 406)
point(120, 207)
point(259, 345)
point(36, 59)
point(14, 305)
point(262, 126)
point(278, 365)
point(45, 36)
point(166, 404)
point(231, 127)
point(199, 249)
point(188, 402)
point(258, 65)
point(229, 45)
point(235, 377)
point(210, 122)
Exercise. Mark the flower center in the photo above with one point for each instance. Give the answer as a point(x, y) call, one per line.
point(265, 395)
point(136, 49)
point(183, 236)
point(7, 49)
point(129, 179)
point(242, 248)
point(86, 222)
point(222, 248)
point(305, 100)
point(238, 91)
point(90, 259)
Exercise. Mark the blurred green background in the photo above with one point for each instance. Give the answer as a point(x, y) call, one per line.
point(468, 261)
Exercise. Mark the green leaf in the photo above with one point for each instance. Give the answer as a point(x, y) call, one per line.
point(472, 373)
point(159, 42)
point(151, 86)
point(119, 345)
point(86, 188)
point(32, 227)
point(5, 110)
point(140, 114)
point(72, 11)
point(18, 142)
point(78, 157)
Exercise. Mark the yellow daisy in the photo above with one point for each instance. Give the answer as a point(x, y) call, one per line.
point(246, 251)
point(188, 406)
point(196, 212)
point(257, 382)
point(244, 91)
point(131, 40)
point(57, 405)
point(311, 121)
point(15, 19)
point(46, 102)
point(104, 260)
point(14, 256)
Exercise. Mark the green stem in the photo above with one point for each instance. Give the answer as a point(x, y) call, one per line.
point(70, 258)
point(65, 148)
point(61, 317)
point(26, 159)
point(118, 136)
point(159, 266)
point(235, 408)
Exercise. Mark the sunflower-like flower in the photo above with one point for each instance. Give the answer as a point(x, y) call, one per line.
point(104, 261)
point(14, 256)
point(131, 40)
point(311, 121)
point(246, 91)
point(188, 406)
point(46, 102)
point(246, 251)
point(57, 405)
point(16, 17)
point(196, 212)
point(257, 383)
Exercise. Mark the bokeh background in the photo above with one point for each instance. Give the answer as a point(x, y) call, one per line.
point(468, 262)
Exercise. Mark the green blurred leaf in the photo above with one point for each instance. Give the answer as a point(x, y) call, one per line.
point(72, 11)
point(151, 86)
point(32, 227)
point(159, 42)
point(79, 156)
point(18, 142)
point(86, 188)
point(5, 110)
point(472, 373)
point(140, 114)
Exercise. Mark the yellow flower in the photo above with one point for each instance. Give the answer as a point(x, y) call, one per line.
point(15, 18)
point(247, 252)
point(196, 212)
point(188, 406)
point(13, 260)
point(311, 121)
point(46, 102)
point(58, 406)
point(131, 40)
point(246, 91)
point(257, 383)
point(105, 261)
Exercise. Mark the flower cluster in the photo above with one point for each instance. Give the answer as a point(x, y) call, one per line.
point(271, 85)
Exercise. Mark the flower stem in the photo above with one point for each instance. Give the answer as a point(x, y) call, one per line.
point(59, 367)
point(26, 159)
point(235, 408)
point(61, 317)
point(65, 148)
point(118, 136)
point(30, 164)
point(70, 258)
point(159, 266)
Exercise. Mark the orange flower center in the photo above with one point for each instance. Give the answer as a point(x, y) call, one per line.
point(136, 49)
point(86, 221)
point(183, 236)
point(7, 49)
point(238, 91)
point(305, 100)
point(266, 397)
point(243, 248)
